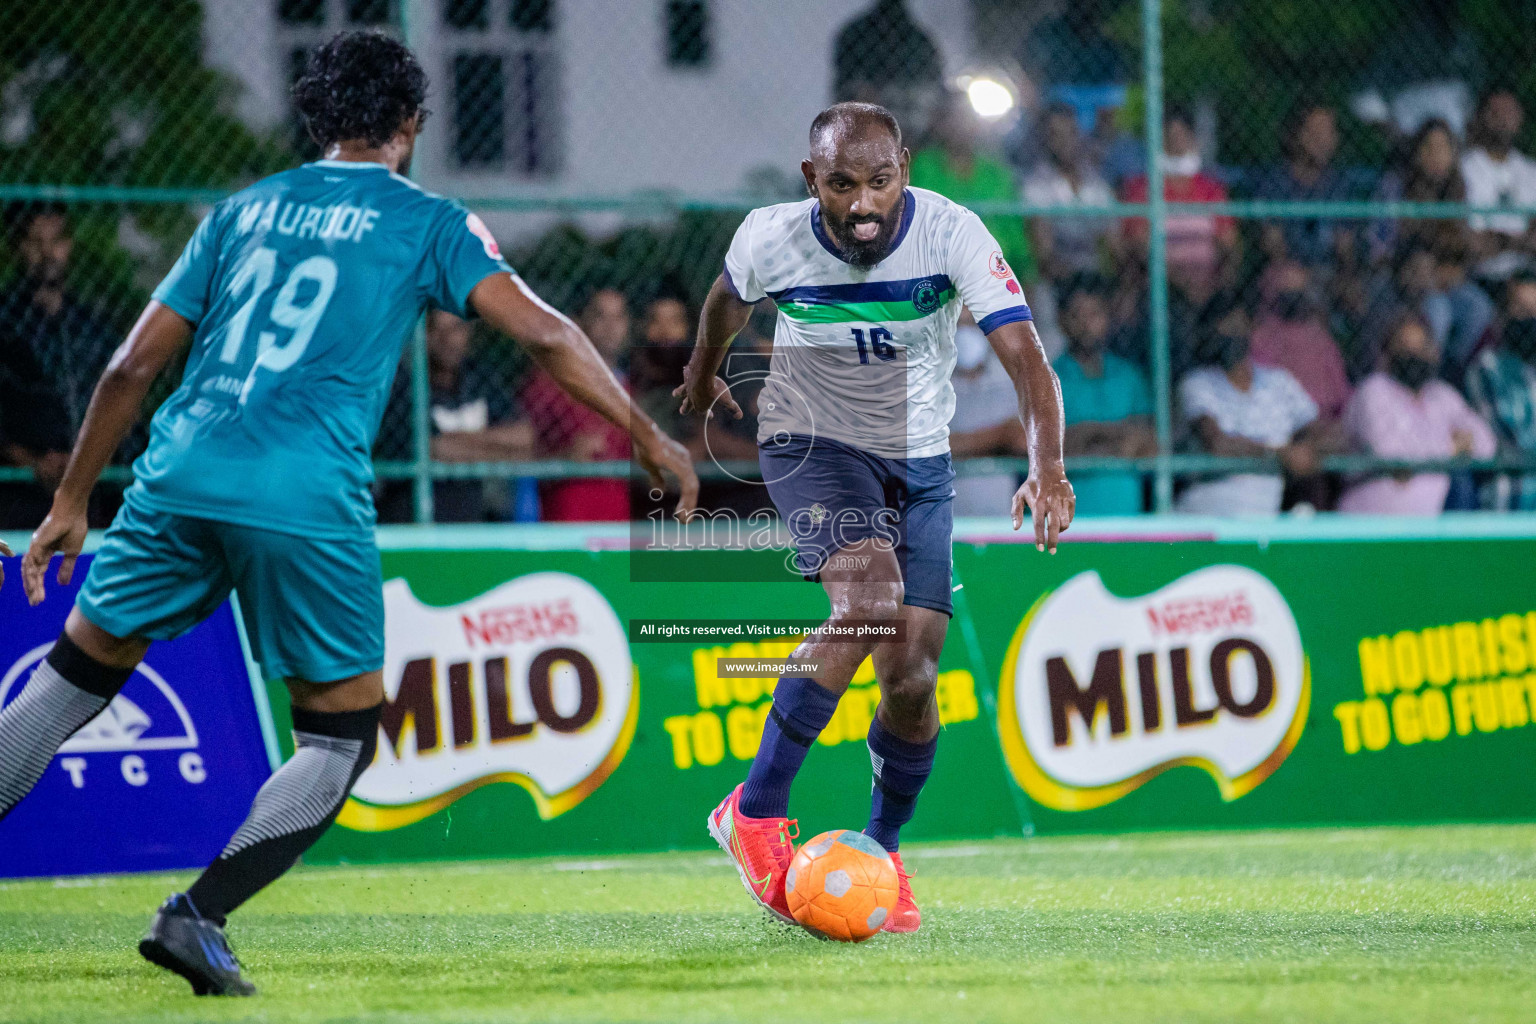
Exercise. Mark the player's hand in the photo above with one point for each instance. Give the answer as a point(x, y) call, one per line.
point(660, 455)
point(63, 532)
point(5, 552)
point(701, 394)
point(1050, 500)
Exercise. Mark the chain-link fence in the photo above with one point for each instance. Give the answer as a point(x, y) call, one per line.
point(1318, 296)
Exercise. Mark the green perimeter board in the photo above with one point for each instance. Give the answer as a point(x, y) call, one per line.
point(1338, 590)
point(1339, 593)
point(649, 803)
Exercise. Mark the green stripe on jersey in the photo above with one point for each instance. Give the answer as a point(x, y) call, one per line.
point(861, 312)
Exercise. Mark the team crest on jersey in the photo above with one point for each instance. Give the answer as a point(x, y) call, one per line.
point(1000, 268)
point(925, 296)
point(479, 230)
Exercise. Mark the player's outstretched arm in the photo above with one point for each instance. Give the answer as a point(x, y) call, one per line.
point(1046, 491)
point(723, 318)
point(115, 405)
point(568, 356)
point(5, 552)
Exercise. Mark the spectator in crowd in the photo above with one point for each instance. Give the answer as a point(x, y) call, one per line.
point(1310, 135)
point(1130, 320)
point(986, 423)
point(53, 349)
point(567, 429)
point(1501, 384)
point(472, 419)
point(1292, 335)
point(656, 367)
point(1428, 277)
point(656, 372)
point(1459, 311)
point(1406, 285)
point(952, 166)
point(1427, 171)
point(69, 343)
point(34, 434)
point(1065, 246)
point(606, 320)
point(1233, 407)
point(1404, 411)
point(883, 55)
point(1498, 174)
point(1108, 404)
point(1203, 252)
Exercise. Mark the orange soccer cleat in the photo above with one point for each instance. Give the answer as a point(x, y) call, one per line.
point(761, 849)
point(906, 917)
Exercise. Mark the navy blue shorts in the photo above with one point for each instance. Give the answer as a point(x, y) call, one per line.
point(831, 495)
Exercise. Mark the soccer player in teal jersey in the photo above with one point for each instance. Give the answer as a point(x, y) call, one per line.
point(296, 295)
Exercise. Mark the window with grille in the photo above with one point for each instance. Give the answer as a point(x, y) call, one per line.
point(688, 33)
point(494, 68)
point(502, 72)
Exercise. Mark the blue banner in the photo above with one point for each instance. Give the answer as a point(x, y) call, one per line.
point(162, 777)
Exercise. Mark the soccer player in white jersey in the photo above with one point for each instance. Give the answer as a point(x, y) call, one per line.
point(869, 276)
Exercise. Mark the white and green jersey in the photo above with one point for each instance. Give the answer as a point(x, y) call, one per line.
point(864, 355)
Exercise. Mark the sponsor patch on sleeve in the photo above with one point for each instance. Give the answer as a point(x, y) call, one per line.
point(479, 230)
point(999, 266)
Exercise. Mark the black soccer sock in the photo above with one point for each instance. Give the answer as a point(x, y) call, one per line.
point(293, 808)
point(66, 690)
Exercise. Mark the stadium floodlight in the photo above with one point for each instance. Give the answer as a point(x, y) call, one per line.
point(991, 96)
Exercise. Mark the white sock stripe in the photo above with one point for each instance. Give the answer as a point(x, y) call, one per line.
point(334, 744)
point(302, 793)
point(35, 725)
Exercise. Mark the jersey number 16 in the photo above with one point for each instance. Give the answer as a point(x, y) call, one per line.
point(879, 340)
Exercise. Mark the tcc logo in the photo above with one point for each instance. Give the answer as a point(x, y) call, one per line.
point(145, 717)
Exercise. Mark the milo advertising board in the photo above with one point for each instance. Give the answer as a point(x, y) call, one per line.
point(1124, 685)
point(1292, 681)
point(1100, 693)
point(522, 716)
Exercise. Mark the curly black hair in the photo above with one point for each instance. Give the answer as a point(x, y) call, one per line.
point(360, 85)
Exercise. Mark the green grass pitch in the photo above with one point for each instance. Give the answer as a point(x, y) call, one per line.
point(1420, 924)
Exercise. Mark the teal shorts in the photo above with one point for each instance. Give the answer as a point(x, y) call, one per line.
point(313, 609)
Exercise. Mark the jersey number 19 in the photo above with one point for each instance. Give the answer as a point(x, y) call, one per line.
point(286, 312)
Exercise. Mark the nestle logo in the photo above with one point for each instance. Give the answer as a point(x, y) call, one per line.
point(520, 624)
point(1191, 615)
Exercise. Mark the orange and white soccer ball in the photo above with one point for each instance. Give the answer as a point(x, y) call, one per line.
point(842, 884)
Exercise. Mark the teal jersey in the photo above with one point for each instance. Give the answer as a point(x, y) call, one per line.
point(303, 289)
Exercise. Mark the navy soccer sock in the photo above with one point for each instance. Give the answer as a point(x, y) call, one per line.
point(801, 709)
point(901, 768)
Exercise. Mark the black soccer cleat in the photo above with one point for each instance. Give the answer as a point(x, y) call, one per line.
point(182, 940)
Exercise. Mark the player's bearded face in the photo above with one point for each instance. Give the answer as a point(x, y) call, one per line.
point(861, 197)
point(864, 238)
